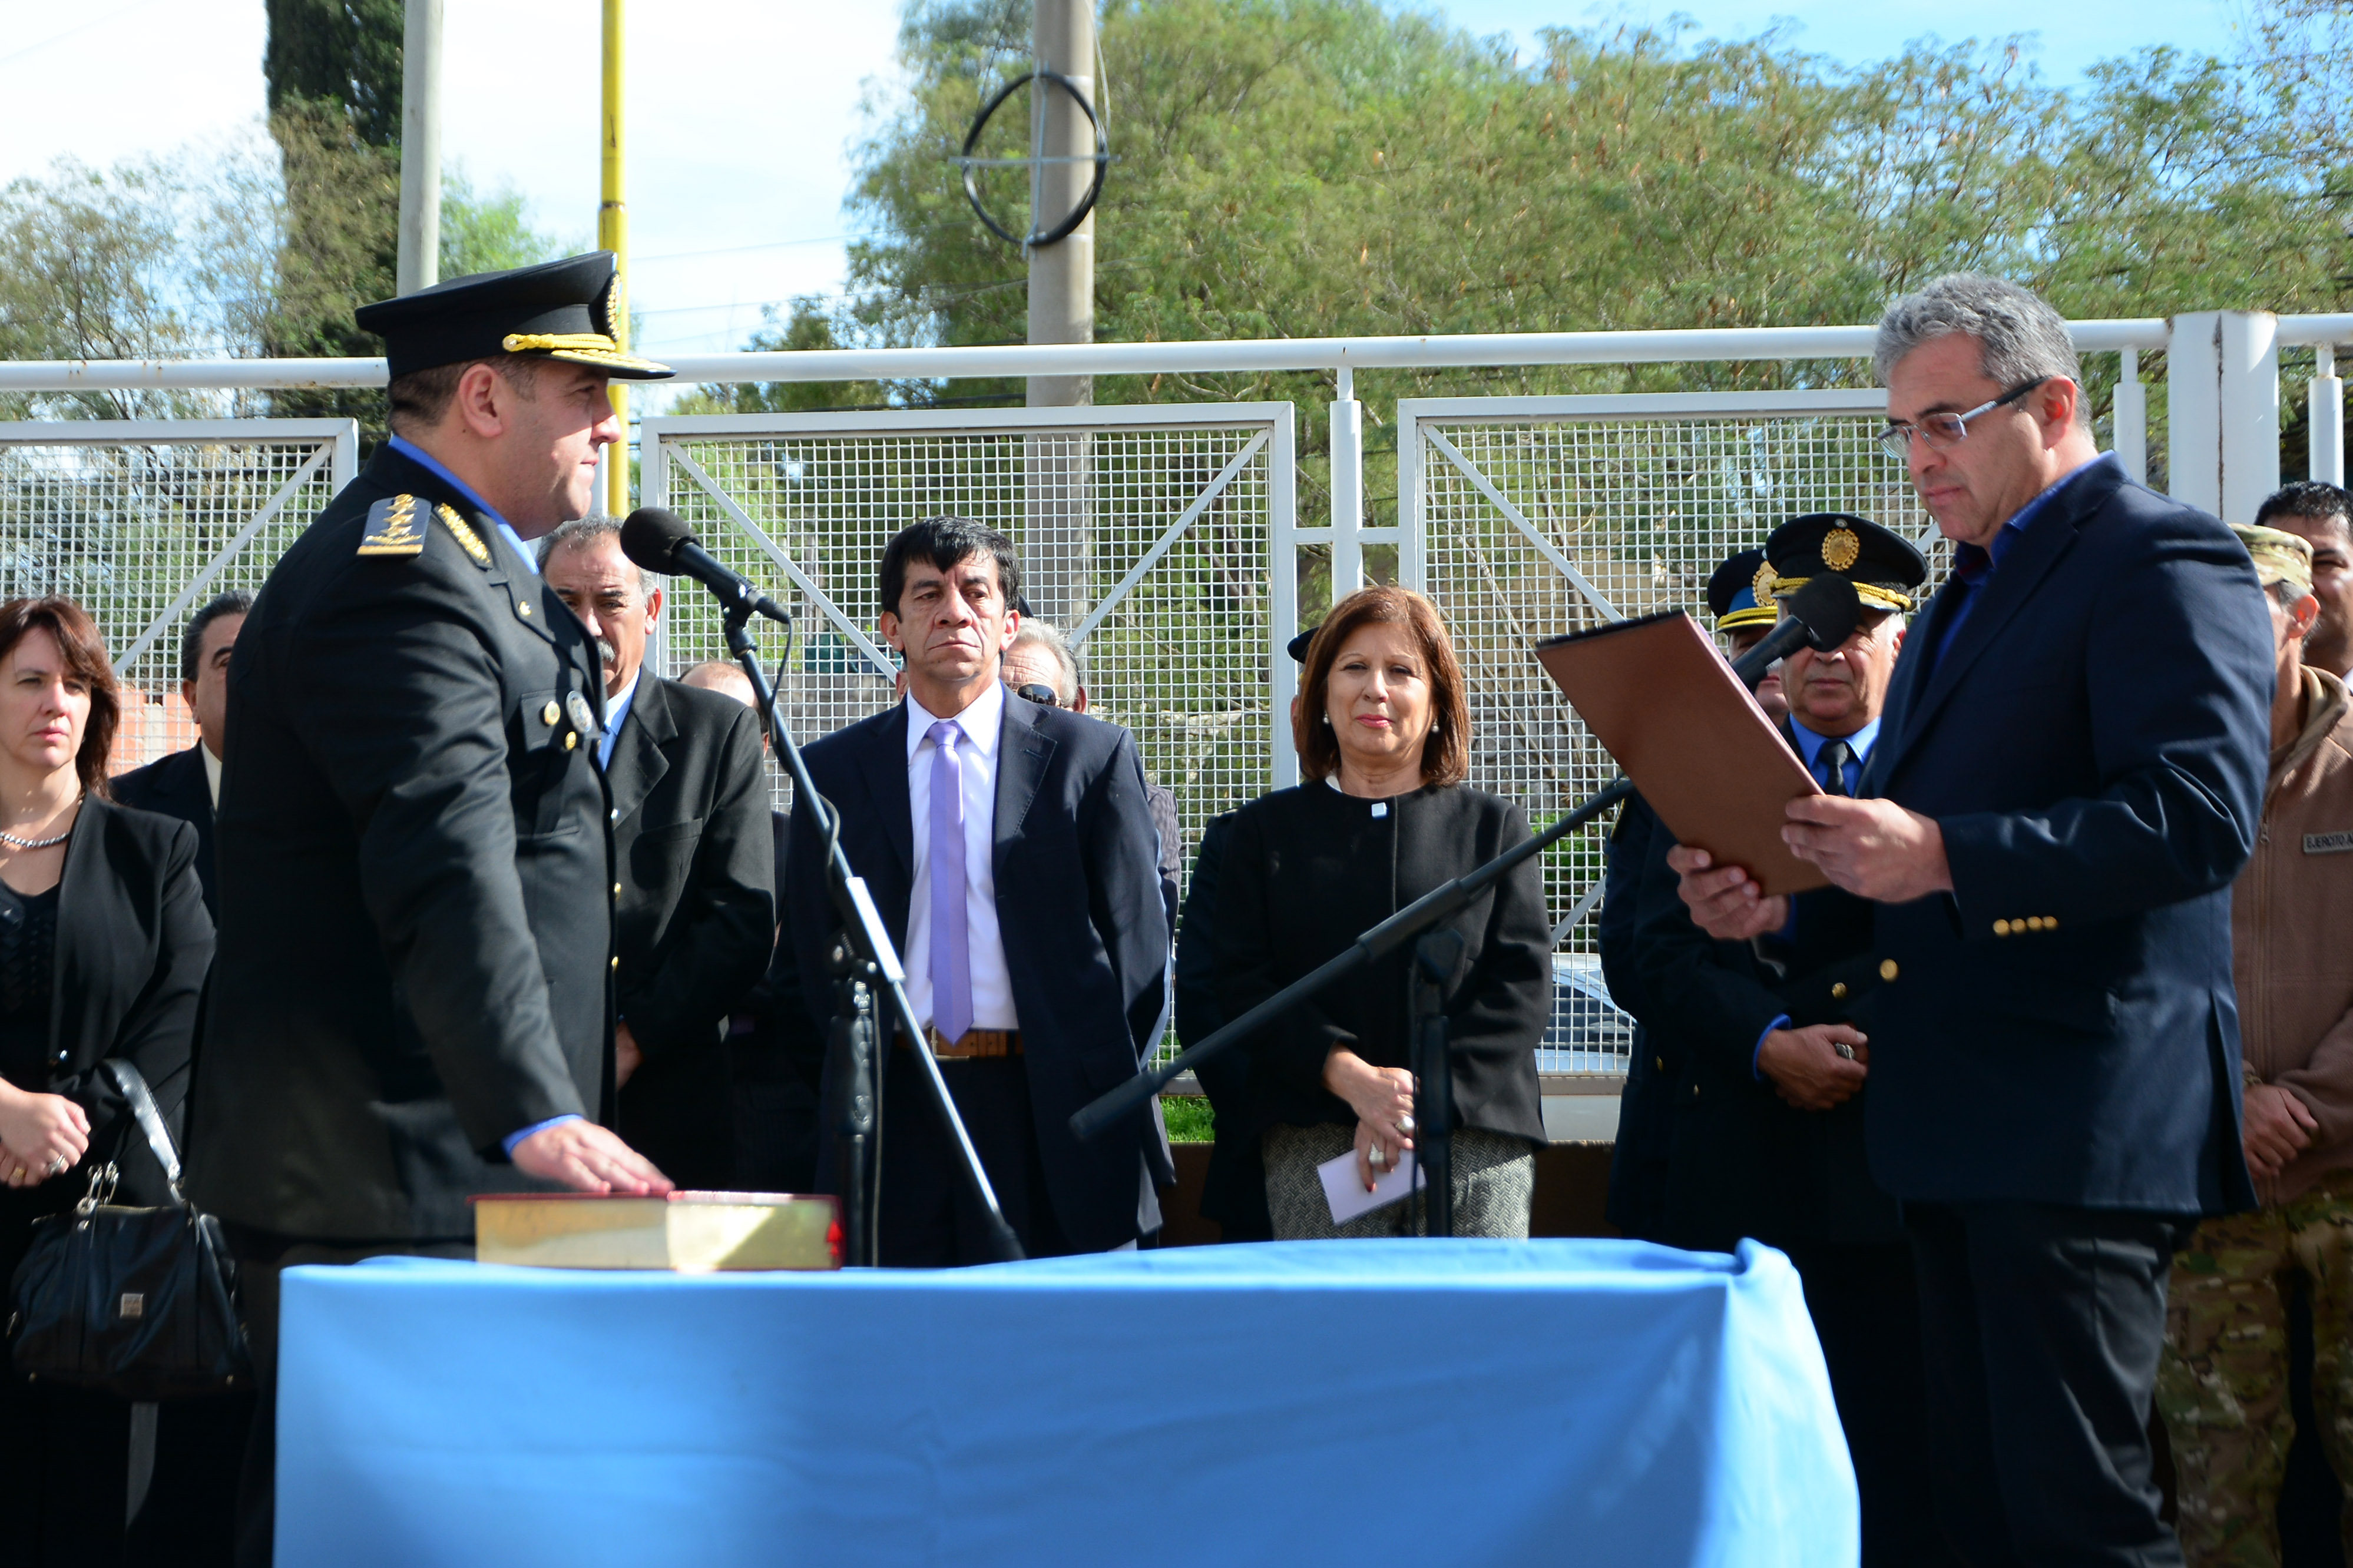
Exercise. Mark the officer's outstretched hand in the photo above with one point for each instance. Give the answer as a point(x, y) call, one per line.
point(589, 1158)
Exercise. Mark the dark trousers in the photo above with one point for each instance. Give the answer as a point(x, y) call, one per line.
point(775, 1135)
point(1866, 1303)
point(261, 1258)
point(928, 1216)
point(678, 1109)
point(2042, 1324)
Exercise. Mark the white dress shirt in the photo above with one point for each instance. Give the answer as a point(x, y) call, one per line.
point(992, 983)
point(212, 771)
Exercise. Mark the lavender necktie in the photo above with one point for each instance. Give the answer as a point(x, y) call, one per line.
point(951, 940)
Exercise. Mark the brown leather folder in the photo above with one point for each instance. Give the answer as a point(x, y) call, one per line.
point(1658, 696)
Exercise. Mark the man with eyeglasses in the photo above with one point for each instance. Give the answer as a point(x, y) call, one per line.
point(2069, 776)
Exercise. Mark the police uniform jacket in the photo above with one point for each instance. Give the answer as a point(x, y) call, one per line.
point(695, 921)
point(1638, 1159)
point(2093, 744)
point(1744, 1162)
point(414, 865)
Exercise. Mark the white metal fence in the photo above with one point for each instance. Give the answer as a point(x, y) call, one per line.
point(141, 520)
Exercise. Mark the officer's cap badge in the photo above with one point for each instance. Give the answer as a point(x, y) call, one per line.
point(1841, 548)
point(392, 528)
point(1764, 585)
point(468, 539)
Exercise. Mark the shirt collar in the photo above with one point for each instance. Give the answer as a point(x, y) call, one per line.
point(1859, 743)
point(212, 771)
point(980, 722)
point(617, 710)
point(432, 465)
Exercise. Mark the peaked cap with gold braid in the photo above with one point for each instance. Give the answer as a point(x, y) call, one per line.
point(1733, 597)
point(566, 310)
point(1885, 568)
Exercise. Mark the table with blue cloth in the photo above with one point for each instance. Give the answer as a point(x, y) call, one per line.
point(1351, 1402)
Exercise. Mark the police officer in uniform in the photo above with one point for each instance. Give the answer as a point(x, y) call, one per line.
point(410, 1003)
point(1767, 1105)
point(1638, 1160)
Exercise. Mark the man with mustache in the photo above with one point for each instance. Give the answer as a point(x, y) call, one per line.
point(694, 865)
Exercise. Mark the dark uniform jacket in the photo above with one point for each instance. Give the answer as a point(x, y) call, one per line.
point(132, 945)
point(2094, 746)
point(175, 787)
point(415, 874)
point(1638, 1159)
point(1305, 870)
point(1078, 907)
point(1745, 1162)
point(696, 919)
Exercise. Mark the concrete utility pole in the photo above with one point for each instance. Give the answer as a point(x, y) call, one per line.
point(1058, 541)
point(1061, 275)
point(419, 266)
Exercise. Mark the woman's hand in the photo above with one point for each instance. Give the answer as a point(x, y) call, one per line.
point(1382, 1098)
point(41, 1135)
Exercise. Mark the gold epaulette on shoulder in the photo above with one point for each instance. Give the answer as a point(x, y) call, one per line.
point(468, 539)
point(392, 528)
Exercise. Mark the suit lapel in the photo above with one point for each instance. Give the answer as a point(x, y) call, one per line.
point(640, 756)
point(882, 766)
point(1022, 754)
point(2005, 592)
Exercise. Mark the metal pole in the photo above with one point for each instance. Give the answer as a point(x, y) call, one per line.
point(613, 234)
point(1063, 275)
point(2249, 346)
point(419, 265)
point(2324, 420)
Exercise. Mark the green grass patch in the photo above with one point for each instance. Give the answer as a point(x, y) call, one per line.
point(1189, 1118)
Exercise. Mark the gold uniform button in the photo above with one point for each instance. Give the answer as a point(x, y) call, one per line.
point(1695, 1091)
point(616, 960)
point(2001, 928)
point(615, 813)
point(2034, 922)
point(1660, 1063)
point(549, 714)
point(523, 609)
point(1887, 969)
point(616, 889)
point(571, 739)
point(1837, 992)
point(2050, 923)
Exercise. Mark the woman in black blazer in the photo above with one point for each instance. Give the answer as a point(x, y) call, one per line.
point(103, 947)
point(1383, 736)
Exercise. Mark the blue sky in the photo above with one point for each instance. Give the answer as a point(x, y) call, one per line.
point(742, 113)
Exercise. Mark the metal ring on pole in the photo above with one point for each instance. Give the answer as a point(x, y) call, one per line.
point(1094, 188)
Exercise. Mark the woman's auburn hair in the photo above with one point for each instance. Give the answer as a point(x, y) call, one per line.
point(84, 652)
point(1446, 752)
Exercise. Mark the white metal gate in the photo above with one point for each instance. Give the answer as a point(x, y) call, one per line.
point(139, 520)
point(1524, 518)
point(1145, 534)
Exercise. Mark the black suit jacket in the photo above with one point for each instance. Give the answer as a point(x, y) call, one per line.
point(1233, 1190)
point(2093, 747)
point(133, 944)
point(174, 786)
point(696, 919)
point(1638, 1159)
point(1079, 905)
point(415, 873)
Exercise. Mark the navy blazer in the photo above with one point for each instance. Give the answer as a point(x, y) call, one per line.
point(2061, 1027)
point(175, 785)
point(1078, 904)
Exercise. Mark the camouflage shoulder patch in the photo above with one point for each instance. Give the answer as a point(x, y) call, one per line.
point(468, 539)
point(392, 528)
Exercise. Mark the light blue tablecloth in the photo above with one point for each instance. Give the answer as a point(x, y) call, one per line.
point(1349, 1403)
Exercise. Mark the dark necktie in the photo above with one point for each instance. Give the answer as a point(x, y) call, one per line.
point(1834, 758)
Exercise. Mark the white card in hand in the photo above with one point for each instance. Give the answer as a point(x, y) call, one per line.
point(1347, 1195)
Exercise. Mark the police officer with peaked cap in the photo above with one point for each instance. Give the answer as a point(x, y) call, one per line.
point(410, 1000)
point(1767, 1102)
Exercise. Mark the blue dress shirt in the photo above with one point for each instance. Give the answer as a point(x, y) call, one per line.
point(615, 712)
point(1972, 564)
point(425, 460)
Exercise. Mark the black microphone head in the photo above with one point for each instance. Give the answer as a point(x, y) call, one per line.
point(651, 536)
point(1827, 606)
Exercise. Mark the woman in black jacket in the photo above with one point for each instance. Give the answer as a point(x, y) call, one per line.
point(103, 947)
point(1383, 737)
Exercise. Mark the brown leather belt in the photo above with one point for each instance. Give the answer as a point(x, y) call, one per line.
point(976, 1043)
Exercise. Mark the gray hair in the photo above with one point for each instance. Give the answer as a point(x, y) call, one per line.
point(582, 531)
point(1036, 632)
point(236, 602)
point(2020, 338)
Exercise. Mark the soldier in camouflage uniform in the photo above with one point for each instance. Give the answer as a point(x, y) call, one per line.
point(2222, 1384)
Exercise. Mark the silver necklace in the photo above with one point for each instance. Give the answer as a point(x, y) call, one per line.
point(6, 837)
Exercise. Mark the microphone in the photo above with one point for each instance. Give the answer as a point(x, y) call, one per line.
point(1820, 616)
point(658, 540)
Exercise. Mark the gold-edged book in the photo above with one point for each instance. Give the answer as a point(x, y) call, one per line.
point(691, 1233)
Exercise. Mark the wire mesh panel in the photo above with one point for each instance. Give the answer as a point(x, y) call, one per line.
point(1512, 500)
point(1144, 533)
point(140, 522)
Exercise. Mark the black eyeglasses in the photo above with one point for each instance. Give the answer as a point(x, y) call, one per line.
point(1037, 692)
point(1945, 431)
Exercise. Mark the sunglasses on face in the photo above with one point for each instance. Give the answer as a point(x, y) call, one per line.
point(1037, 692)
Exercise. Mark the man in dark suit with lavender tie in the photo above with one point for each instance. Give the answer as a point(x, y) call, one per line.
point(1009, 850)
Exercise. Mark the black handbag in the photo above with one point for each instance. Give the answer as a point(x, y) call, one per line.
point(139, 1301)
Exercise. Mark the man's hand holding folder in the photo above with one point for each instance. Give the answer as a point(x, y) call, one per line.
point(1873, 848)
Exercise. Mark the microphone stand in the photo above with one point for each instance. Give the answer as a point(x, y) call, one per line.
point(872, 966)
